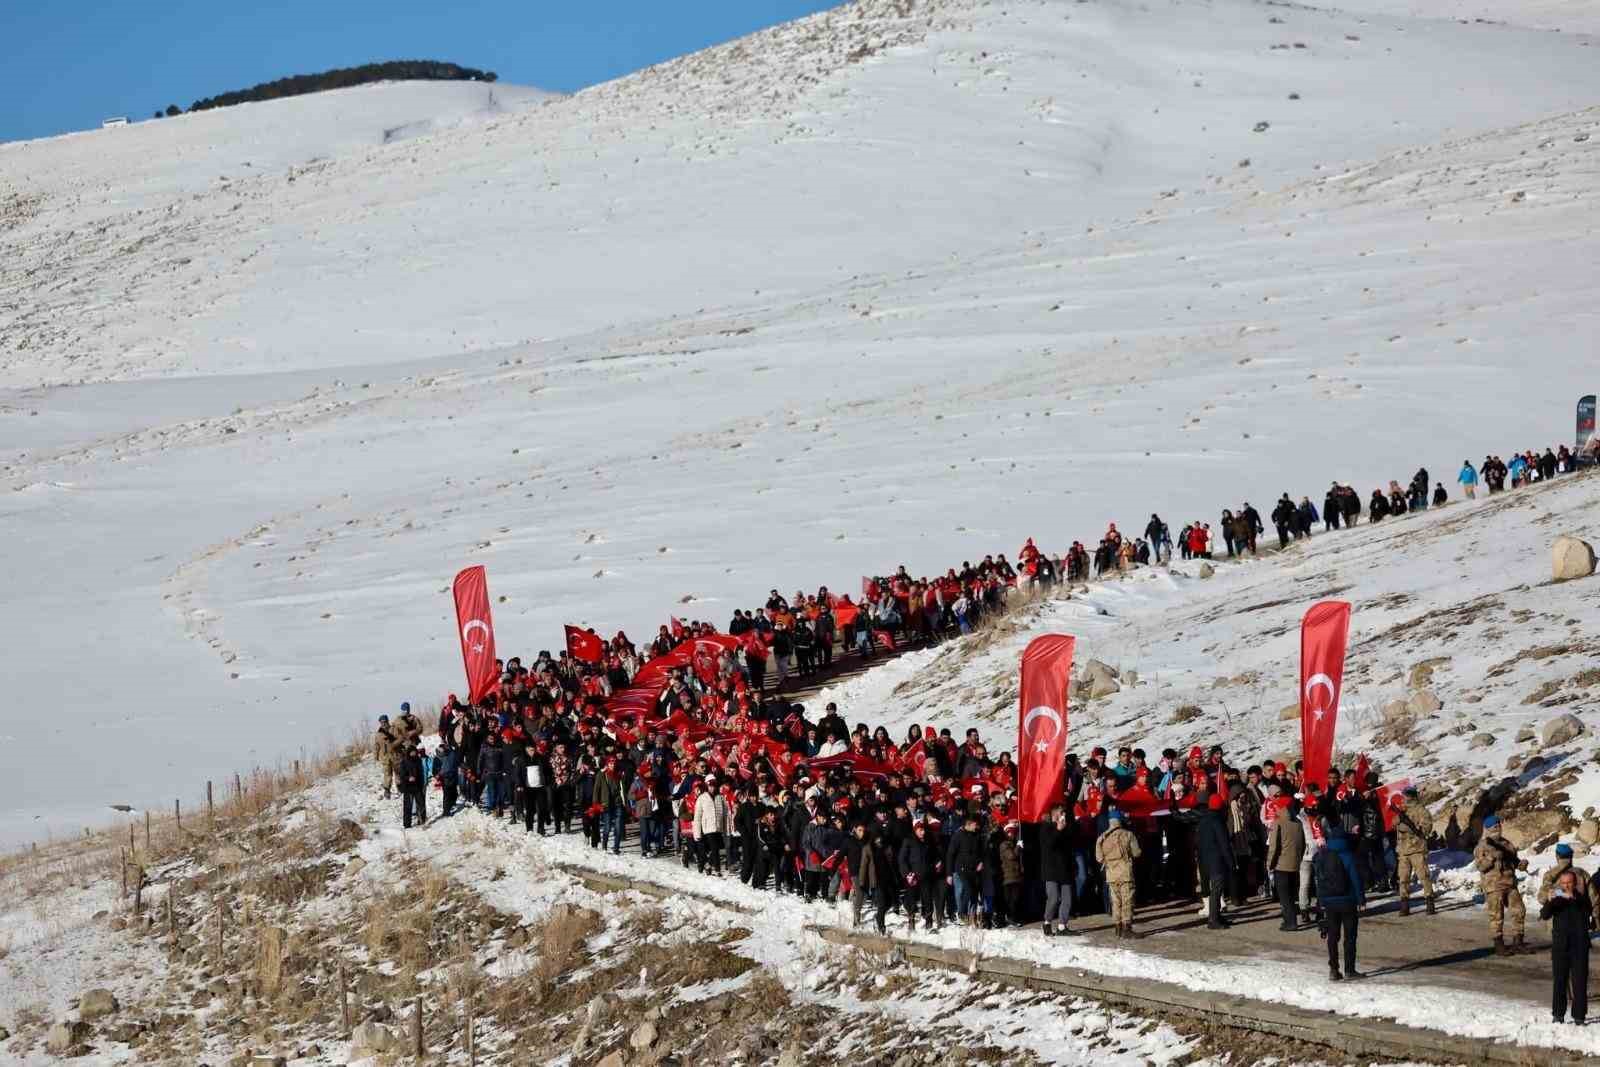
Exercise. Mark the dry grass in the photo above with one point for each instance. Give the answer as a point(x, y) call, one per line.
point(559, 937)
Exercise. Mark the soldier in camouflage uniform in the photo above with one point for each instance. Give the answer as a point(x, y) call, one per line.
point(385, 749)
point(1115, 851)
point(1498, 863)
point(1411, 851)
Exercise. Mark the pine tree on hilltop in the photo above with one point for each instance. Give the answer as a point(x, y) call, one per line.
point(344, 78)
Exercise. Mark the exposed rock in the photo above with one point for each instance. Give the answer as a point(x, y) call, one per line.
point(1130, 677)
point(1589, 831)
point(1288, 712)
point(613, 1060)
point(97, 1004)
point(269, 1061)
point(355, 866)
point(372, 1038)
point(1571, 558)
point(228, 856)
point(1481, 741)
point(1095, 666)
point(1560, 730)
point(1207, 570)
point(1423, 703)
point(1100, 679)
point(1526, 734)
point(64, 1035)
point(1187, 713)
point(643, 1036)
point(1397, 711)
point(1530, 826)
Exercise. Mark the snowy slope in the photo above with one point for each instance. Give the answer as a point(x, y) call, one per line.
point(868, 288)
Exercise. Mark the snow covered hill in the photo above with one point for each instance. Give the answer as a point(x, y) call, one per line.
point(902, 282)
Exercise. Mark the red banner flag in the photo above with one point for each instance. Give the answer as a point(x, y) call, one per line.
point(477, 633)
point(1323, 634)
point(1042, 732)
point(585, 645)
point(1390, 800)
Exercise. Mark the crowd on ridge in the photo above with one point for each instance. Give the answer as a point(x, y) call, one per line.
point(735, 780)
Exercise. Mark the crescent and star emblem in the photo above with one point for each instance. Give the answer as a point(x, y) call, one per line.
point(466, 634)
point(1043, 711)
point(1319, 710)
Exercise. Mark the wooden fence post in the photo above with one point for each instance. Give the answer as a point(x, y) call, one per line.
point(131, 846)
point(416, 1027)
point(211, 809)
point(177, 812)
point(172, 919)
point(147, 831)
point(238, 787)
point(219, 933)
point(472, 1036)
point(344, 999)
point(122, 861)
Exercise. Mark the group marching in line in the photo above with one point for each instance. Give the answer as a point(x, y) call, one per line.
point(725, 772)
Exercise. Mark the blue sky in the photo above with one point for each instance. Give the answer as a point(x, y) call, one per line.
point(65, 64)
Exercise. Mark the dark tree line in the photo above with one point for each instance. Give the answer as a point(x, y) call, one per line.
point(343, 78)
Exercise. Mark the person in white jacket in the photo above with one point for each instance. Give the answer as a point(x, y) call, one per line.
point(710, 827)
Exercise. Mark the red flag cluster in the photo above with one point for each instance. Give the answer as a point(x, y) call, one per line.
point(1042, 729)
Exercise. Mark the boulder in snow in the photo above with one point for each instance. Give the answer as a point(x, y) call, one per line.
point(1423, 703)
point(1526, 734)
point(370, 1039)
point(97, 1004)
point(1288, 711)
point(1481, 741)
point(64, 1035)
point(1207, 570)
point(1561, 729)
point(644, 1035)
point(1589, 831)
point(1397, 711)
point(1187, 713)
point(1571, 558)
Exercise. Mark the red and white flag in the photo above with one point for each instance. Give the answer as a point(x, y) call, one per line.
point(1324, 633)
point(585, 645)
point(476, 627)
point(1042, 729)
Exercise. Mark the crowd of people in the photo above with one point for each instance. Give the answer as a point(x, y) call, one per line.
point(725, 773)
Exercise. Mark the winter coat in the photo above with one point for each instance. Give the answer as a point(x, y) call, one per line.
point(1055, 852)
point(384, 744)
point(920, 861)
point(710, 815)
point(1339, 845)
point(1213, 845)
point(1010, 862)
point(1587, 890)
point(1286, 845)
point(412, 777)
point(1496, 861)
point(1116, 850)
point(609, 792)
point(815, 845)
point(965, 852)
point(1570, 920)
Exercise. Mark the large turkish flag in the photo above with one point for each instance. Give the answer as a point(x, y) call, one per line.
point(1323, 634)
point(1042, 728)
point(476, 627)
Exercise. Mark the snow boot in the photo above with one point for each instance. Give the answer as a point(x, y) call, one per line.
point(1431, 909)
point(1405, 906)
point(1049, 931)
point(1130, 933)
point(1334, 975)
point(1500, 948)
point(1519, 947)
point(1121, 932)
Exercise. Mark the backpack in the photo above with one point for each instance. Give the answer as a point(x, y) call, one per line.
point(1332, 879)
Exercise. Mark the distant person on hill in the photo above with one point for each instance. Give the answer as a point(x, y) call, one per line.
point(1568, 907)
point(1439, 495)
point(1379, 508)
point(1331, 508)
point(1468, 479)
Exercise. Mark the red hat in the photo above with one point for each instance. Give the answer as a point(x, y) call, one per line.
point(1194, 753)
point(1214, 801)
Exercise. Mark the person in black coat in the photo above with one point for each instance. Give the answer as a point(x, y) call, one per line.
point(964, 863)
point(413, 788)
point(1057, 870)
point(1571, 919)
point(921, 864)
point(533, 782)
point(1215, 847)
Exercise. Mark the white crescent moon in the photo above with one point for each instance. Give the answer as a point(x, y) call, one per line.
point(475, 624)
point(1042, 711)
point(1322, 680)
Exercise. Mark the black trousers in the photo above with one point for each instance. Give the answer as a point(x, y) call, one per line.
point(449, 799)
point(561, 812)
point(1288, 883)
point(1569, 972)
point(1342, 926)
point(413, 804)
point(708, 852)
point(1215, 884)
point(535, 803)
point(816, 884)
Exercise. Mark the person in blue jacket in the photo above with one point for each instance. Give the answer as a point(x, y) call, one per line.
point(1342, 896)
point(1468, 479)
